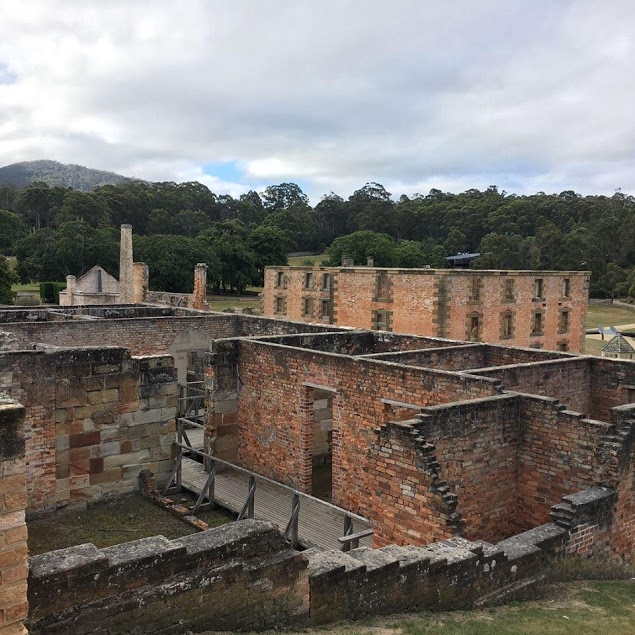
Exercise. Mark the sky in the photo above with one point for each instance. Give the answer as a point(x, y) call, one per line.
point(530, 96)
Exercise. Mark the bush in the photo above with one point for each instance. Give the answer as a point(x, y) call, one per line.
point(50, 291)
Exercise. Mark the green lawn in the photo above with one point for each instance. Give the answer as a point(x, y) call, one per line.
point(297, 261)
point(608, 315)
point(575, 608)
point(237, 303)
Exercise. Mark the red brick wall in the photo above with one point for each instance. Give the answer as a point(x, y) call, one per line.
point(476, 445)
point(556, 456)
point(567, 380)
point(608, 381)
point(274, 428)
point(440, 302)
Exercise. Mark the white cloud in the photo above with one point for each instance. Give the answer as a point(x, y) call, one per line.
point(523, 94)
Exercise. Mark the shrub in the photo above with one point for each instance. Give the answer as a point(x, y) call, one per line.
point(50, 291)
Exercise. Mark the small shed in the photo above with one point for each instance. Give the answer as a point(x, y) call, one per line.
point(618, 347)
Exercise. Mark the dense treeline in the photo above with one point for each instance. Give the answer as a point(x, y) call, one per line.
point(54, 231)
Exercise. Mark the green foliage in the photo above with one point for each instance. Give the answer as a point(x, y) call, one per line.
point(362, 244)
point(171, 260)
point(543, 231)
point(7, 278)
point(12, 228)
point(72, 249)
point(50, 291)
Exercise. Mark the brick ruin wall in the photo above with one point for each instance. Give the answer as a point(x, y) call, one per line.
point(244, 577)
point(149, 334)
point(275, 411)
point(464, 357)
point(94, 419)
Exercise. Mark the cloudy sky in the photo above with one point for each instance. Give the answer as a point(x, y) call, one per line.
point(528, 95)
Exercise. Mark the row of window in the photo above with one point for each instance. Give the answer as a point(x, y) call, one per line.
point(382, 286)
point(308, 307)
point(309, 280)
point(509, 289)
point(508, 324)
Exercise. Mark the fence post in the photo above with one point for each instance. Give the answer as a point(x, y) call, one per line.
point(292, 527)
point(348, 530)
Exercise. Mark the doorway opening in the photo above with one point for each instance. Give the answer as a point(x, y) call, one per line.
point(322, 459)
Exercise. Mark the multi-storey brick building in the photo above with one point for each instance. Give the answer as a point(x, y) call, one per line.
point(539, 309)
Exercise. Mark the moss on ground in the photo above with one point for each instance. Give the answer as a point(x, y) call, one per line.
point(121, 520)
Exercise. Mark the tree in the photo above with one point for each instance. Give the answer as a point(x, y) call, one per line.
point(84, 207)
point(269, 245)
point(409, 254)
point(12, 228)
point(499, 251)
point(171, 260)
point(362, 244)
point(283, 196)
point(7, 278)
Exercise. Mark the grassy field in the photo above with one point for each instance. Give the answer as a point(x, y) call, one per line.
point(608, 315)
point(297, 261)
point(574, 608)
point(236, 303)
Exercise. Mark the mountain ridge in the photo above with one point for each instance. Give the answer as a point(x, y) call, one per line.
point(54, 173)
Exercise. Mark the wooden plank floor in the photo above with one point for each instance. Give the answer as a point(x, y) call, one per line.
point(318, 526)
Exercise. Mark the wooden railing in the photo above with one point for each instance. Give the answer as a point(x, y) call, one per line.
point(349, 540)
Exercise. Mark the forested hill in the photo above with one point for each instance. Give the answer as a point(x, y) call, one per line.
point(53, 173)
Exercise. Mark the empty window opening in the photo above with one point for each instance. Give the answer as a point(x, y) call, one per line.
point(566, 288)
point(326, 282)
point(537, 323)
point(280, 305)
point(382, 320)
point(509, 290)
point(564, 321)
point(538, 289)
point(563, 346)
point(280, 279)
point(508, 325)
point(475, 292)
point(325, 310)
point(382, 286)
point(308, 280)
point(307, 308)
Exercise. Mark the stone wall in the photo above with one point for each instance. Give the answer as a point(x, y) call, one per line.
point(241, 576)
point(94, 418)
point(13, 532)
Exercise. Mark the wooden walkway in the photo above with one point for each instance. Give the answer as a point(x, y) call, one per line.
point(319, 525)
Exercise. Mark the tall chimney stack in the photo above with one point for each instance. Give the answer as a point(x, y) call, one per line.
point(126, 278)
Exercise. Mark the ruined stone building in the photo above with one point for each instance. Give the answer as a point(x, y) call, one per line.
point(475, 464)
point(537, 309)
point(97, 287)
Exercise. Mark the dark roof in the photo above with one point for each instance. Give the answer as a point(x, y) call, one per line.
point(618, 345)
point(463, 257)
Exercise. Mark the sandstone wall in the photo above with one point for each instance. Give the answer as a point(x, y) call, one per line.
point(13, 531)
point(94, 419)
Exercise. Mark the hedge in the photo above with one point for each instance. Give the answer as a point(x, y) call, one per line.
point(50, 291)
